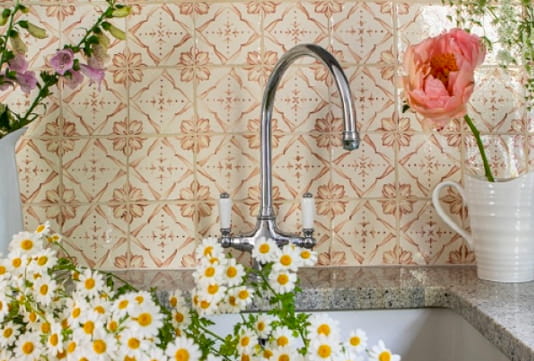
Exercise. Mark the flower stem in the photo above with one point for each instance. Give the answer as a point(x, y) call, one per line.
point(476, 134)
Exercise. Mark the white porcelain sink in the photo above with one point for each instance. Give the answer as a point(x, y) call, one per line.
point(427, 334)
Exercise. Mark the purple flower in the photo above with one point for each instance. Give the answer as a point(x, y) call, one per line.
point(27, 81)
point(73, 79)
point(62, 61)
point(18, 64)
point(94, 74)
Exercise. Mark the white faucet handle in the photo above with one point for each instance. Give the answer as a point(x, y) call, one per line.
point(225, 211)
point(308, 210)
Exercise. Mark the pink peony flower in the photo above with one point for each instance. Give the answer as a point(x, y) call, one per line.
point(440, 75)
point(63, 61)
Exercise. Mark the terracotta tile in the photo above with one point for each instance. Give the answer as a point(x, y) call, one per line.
point(362, 233)
point(93, 170)
point(227, 32)
point(228, 99)
point(159, 33)
point(364, 171)
point(161, 101)
point(428, 160)
point(95, 237)
point(362, 31)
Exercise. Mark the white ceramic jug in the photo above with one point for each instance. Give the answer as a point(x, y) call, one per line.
point(502, 225)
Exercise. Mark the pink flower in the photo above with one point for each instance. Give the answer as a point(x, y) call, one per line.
point(440, 75)
point(18, 64)
point(94, 74)
point(73, 79)
point(62, 61)
point(27, 81)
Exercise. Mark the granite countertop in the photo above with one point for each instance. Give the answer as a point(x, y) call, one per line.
point(501, 312)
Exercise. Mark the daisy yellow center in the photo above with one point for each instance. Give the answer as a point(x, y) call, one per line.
point(41, 261)
point(284, 357)
point(99, 346)
point(282, 279)
point(286, 260)
point(123, 304)
point(355, 341)
point(282, 341)
point(204, 304)
point(54, 339)
point(89, 327)
point(208, 250)
point(384, 356)
point(128, 358)
point(245, 340)
point(212, 289)
point(71, 347)
point(43, 290)
point(89, 283)
point(40, 228)
point(16, 262)
point(145, 319)
point(245, 357)
point(28, 347)
point(113, 326)
point(264, 248)
point(139, 299)
point(231, 272)
point(243, 294)
point(305, 254)
point(323, 329)
point(26, 244)
point(100, 309)
point(7, 332)
point(1, 305)
point(179, 317)
point(267, 354)
point(173, 301)
point(76, 312)
point(209, 272)
point(232, 301)
point(45, 327)
point(324, 351)
point(32, 317)
point(442, 65)
point(3, 270)
point(134, 343)
point(261, 326)
point(181, 355)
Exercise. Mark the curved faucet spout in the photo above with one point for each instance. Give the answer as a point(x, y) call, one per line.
point(350, 135)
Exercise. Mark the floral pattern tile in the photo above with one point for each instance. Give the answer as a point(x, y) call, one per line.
point(131, 172)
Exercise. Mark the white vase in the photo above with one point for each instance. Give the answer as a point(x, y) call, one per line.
point(502, 225)
point(10, 203)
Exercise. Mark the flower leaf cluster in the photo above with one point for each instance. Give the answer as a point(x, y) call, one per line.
point(51, 309)
point(514, 25)
point(66, 64)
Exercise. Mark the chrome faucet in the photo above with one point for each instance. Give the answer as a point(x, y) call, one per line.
point(266, 225)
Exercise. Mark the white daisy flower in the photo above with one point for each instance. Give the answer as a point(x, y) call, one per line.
point(43, 229)
point(149, 320)
point(8, 333)
point(44, 289)
point(78, 309)
point(54, 338)
point(205, 307)
point(308, 257)
point(348, 355)
point(42, 261)
point(263, 325)
point(25, 242)
point(285, 354)
point(322, 324)
point(282, 337)
point(288, 259)
point(124, 305)
point(323, 348)
point(17, 263)
point(78, 345)
point(4, 301)
point(134, 346)
point(103, 346)
point(380, 352)
point(265, 250)
point(181, 317)
point(54, 238)
point(243, 295)
point(208, 273)
point(28, 347)
point(282, 281)
point(183, 349)
point(230, 303)
point(248, 340)
point(212, 292)
point(209, 248)
point(32, 320)
point(234, 273)
point(157, 354)
point(90, 283)
point(177, 299)
point(357, 340)
point(4, 269)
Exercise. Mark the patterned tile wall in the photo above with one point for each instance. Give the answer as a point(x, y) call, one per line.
point(130, 173)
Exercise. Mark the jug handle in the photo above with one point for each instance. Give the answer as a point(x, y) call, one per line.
point(448, 220)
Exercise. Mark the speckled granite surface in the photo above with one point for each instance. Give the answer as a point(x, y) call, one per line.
point(503, 313)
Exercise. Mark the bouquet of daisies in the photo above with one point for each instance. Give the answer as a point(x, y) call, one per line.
point(51, 309)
